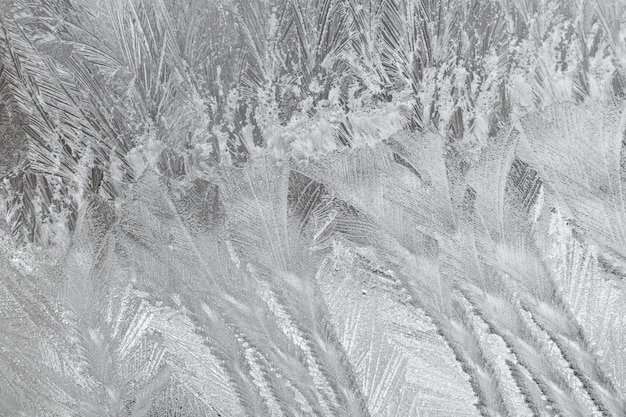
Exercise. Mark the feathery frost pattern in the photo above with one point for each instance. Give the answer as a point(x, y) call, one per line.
point(315, 208)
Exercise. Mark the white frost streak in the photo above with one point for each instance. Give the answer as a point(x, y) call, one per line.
point(193, 362)
point(403, 367)
point(289, 328)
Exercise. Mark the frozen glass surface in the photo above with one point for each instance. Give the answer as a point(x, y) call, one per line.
point(312, 208)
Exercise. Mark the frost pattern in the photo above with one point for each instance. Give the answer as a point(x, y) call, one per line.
point(312, 208)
